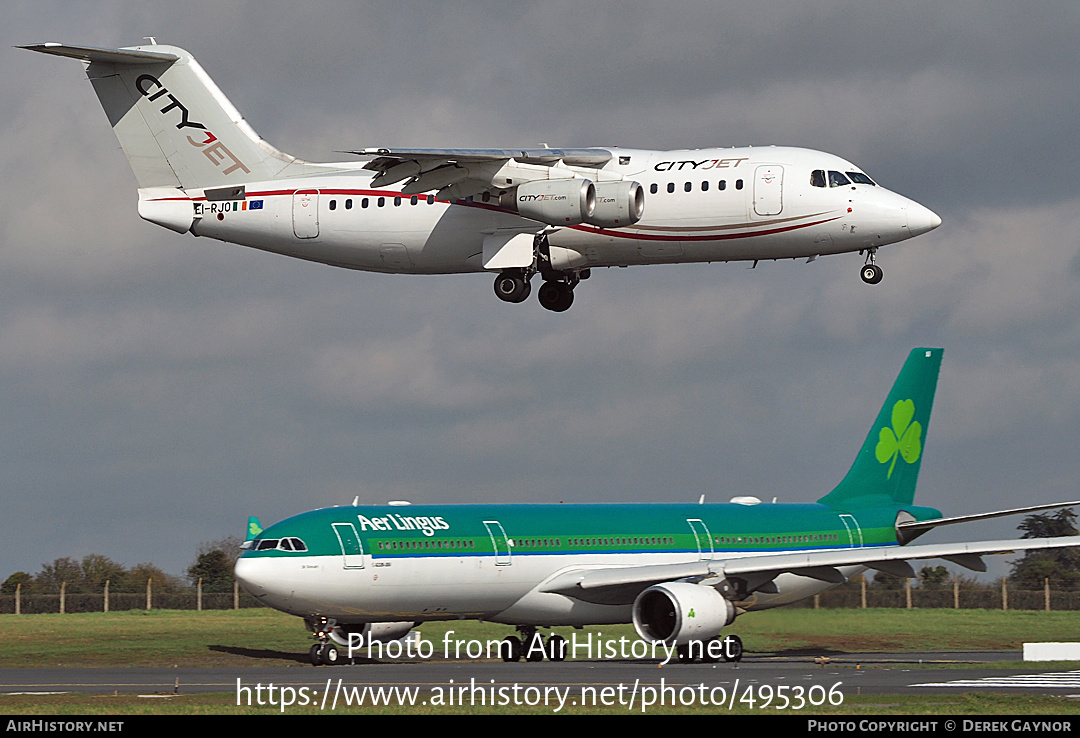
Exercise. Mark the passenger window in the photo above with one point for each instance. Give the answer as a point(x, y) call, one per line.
point(738, 184)
point(836, 179)
point(653, 188)
point(412, 200)
point(817, 178)
point(333, 204)
point(721, 185)
point(687, 187)
point(704, 186)
point(397, 201)
point(431, 199)
point(348, 204)
point(382, 201)
point(364, 203)
point(671, 187)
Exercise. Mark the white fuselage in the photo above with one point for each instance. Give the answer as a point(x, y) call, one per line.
point(700, 206)
point(370, 589)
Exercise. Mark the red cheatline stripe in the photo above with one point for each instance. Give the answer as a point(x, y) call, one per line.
point(584, 228)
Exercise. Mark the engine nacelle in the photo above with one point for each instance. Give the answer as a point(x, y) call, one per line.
point(679, 612)
point(369, 633)
point(617, 204)
point(557, 201)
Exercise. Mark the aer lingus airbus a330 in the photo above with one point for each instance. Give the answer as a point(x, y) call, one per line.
point(679, 572)
point(559, 213)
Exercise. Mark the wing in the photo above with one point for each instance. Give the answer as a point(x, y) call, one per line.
point(621, 585)
point(462, 172)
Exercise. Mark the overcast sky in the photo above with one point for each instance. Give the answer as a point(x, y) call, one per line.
point(156, 389)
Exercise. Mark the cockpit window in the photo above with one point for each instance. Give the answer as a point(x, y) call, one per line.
point(817, 178)
point(860, 178)
point(279, 544)
point(837, 179)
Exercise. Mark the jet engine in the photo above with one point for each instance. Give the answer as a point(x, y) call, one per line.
point(617, 204)
point(369, 633)
point(679, 612)
point(557, 201)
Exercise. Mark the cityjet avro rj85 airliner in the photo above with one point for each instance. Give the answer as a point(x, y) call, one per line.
point(679, 572)
point(559, 213)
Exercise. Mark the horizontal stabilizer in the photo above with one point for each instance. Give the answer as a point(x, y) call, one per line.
point(908, 530)
point(103, 56)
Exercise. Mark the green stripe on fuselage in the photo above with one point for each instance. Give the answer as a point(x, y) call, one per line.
point(715, 529)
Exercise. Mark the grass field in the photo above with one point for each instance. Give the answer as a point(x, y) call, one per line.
point(258, 637)
point(261, 637)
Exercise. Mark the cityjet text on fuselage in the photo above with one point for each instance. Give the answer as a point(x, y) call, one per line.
point(422, 523)
point(667, 166)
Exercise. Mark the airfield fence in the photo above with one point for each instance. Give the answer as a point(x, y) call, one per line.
point(36, 603)
point(967, 598)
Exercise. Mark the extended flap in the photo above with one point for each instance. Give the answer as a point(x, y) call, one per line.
point(508, 250)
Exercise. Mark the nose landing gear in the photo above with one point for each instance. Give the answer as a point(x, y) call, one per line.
point(871, 272)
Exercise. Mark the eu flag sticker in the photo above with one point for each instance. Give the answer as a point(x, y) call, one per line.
point(255, 204)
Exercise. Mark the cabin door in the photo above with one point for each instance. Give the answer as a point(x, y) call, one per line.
point(769, 190)
point(305, 213)
point(853, 529)
point(499, 541)
point(352, 551)
point(704, 540)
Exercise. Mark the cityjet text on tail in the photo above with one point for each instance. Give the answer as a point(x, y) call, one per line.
point(515, 213)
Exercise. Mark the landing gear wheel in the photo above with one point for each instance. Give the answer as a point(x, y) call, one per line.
point(872, 274)
point(313, 655)
point(732, 648)
point(329, 654)
point(556, 296)
point(510, 287)
point(556, 648)
point(512, 649)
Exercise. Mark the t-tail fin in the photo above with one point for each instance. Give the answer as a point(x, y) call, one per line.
point(176, 127)
point(887, 468)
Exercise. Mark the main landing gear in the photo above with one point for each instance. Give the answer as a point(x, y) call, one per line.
point(557, 292)
point(530, 645)
point(871, 272)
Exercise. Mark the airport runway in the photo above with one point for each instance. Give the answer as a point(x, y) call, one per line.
point(615, 680)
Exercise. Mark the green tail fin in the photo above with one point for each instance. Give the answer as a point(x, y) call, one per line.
point(887, 468)
point(254, 528)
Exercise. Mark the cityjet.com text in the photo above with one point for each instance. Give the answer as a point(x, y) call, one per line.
point(633, 697)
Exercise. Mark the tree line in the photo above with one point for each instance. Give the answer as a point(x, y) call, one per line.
point(213, 565)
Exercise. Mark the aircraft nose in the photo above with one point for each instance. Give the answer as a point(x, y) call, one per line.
point(252, 575)
point(921, 219)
